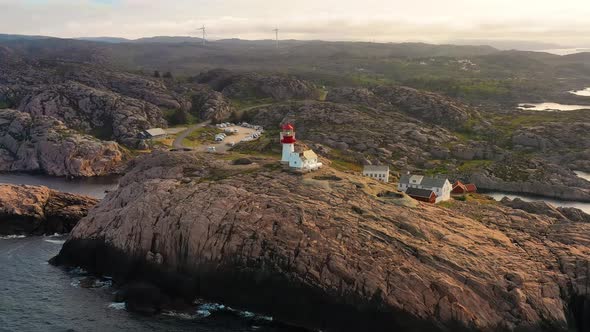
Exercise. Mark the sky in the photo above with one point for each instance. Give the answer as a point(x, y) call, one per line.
point(562, 22)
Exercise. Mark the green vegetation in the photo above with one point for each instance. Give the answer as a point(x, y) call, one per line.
point(344, 162)
point(4, 105)
point(201, 136)
point(473, 165)
point(104, 132)
point(251, 102)
point(266, 145)
point(175, 117)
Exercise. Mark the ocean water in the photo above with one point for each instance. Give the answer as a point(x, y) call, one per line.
point(36, 296)
point(566, 51)
point(584, 92)
point(552, 107)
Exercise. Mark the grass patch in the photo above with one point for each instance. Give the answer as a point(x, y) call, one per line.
point(472, 165)
point(201, 135)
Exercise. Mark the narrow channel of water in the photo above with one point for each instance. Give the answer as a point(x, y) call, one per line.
point(583, 93)
point(551, 107)
point(497, 195)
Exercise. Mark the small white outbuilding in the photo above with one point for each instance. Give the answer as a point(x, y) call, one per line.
point(304, 161)
point(377, 172)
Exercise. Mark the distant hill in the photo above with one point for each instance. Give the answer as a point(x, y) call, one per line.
point(168, 39)
point(7, 37)
point(114, 40)
point(522, 45)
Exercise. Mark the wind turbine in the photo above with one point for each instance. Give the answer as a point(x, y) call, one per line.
point(203, 29)
point(276, 30)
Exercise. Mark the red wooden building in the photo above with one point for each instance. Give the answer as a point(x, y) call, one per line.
point(423, 195)
point(460, 188)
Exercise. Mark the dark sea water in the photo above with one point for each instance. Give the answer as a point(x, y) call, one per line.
point(36, 296)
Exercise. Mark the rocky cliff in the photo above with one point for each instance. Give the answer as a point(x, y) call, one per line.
point(388, 136)
point(44, 144)
point(531, 175)
point(326, 250)
point(426, 106)
point(208, 104)
point(99, 101)
point(40, 210)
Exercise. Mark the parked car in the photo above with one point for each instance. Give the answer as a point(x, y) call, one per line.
point(211, 149)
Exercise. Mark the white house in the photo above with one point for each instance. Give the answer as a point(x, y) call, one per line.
point(441, 186)
point(380, 173)
point(304, 161)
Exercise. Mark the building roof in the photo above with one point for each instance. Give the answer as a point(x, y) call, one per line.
point(405, 178)
point(156, 132)
point(471, 187)
point(422, 193)
point(309, 154)
point(424, 181)
point(433, 182)
point(459, 184)
point(376, 168)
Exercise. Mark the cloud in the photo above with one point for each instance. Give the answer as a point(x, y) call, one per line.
point(378, 20)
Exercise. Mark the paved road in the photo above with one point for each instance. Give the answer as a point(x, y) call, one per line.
point(177, 144)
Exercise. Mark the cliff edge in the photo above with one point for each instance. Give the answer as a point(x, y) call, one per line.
point(331, 251)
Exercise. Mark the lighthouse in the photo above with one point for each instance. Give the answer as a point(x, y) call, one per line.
point(288, 141)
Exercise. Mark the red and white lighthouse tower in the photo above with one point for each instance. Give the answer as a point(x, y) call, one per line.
point(288, 141)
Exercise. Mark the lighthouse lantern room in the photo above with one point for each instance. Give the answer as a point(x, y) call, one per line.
point(288, 141)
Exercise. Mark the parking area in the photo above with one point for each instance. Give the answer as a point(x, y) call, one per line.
point(233, 134)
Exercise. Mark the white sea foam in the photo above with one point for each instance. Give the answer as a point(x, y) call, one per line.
point(55, 241)
point(117, 305)
point(206, 309)
point(247, 314)
point(10, 237)
point(181, 315)
point(212, 307)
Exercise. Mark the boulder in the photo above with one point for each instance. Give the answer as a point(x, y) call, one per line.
point(44, 144)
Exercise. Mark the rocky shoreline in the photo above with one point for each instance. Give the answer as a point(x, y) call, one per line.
point(326, 252)
point(36, 210)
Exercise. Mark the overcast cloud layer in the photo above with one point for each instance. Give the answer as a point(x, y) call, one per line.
point(564, 22)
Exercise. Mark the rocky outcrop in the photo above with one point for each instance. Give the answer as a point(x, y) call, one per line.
point(426, 106)
point(44, 144)
point(531, 176)
point(105, 103)
point(89, 110)
point(208, 104)
point(540, 207)
point(40, 210)
point(322, 250)
point(248, 85)
point(361, 131)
